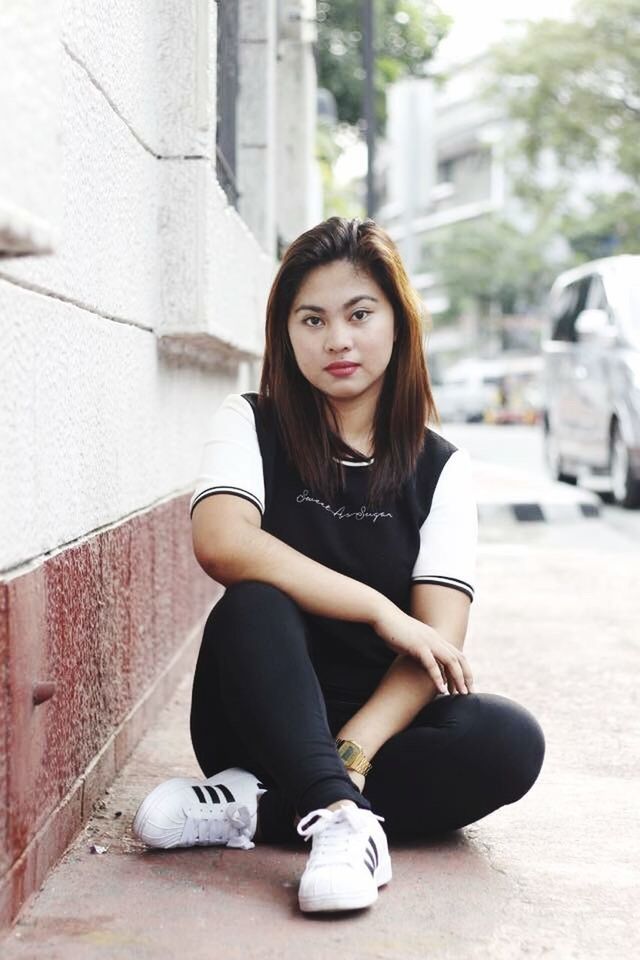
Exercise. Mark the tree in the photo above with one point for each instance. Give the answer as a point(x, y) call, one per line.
point(407, 33)
point(573, 92)
point(575, 86)
point(611, 226)
point(490, 262)
point(338, 201)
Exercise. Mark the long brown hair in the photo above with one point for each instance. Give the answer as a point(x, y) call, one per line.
point(305, 419)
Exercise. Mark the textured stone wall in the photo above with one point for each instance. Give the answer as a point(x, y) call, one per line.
point(85, 636)
point(116, 347)
point(138, 306)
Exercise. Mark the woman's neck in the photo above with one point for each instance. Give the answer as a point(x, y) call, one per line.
point(355, 423)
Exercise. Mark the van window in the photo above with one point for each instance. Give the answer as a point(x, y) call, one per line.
point(597, 299)
point(565, 305)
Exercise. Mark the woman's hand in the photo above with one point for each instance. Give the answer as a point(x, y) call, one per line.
point(441, 659)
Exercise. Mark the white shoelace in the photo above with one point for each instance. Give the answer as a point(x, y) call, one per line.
point(334, 832)
point(230, 826)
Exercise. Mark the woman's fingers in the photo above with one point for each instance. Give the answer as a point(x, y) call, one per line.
point(468, 676)
point(446, 665)
point(455, 671)
point(438, 669)
point(430, 663)
point(459, 675)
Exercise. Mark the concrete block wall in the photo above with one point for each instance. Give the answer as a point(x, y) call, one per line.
point(29, 97)
point(296, 89)
point(131, 198)
point(116, 347)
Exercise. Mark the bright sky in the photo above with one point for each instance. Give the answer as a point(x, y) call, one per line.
point(479, 22)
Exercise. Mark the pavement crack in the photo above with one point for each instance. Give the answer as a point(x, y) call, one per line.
point(490, 861)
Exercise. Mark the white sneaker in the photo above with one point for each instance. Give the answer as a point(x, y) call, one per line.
point(348, 862)
point(186, 813)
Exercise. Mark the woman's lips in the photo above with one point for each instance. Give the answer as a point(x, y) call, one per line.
point(342, 369)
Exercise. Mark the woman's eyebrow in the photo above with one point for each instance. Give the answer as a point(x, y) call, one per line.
point(349, 303)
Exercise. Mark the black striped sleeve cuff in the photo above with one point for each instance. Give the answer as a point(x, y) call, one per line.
point(461, 585)
point(234, 491)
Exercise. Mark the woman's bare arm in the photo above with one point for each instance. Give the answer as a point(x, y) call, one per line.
point(231, 547)
point(406, 687)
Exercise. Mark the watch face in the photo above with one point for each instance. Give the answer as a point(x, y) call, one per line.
point(348, 752)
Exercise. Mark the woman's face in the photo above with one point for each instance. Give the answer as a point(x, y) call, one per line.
point(342, 331)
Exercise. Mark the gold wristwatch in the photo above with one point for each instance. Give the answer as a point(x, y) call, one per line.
point(353, 756)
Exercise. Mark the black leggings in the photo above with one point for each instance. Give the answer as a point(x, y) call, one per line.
point(257, 704)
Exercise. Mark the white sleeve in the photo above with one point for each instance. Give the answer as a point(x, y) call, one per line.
point(231, 461)
point(448, 537)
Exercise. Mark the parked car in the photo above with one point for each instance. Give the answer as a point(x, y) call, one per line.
point(520, 395)
point(466, 391)
point(505, 389)
point(591, 411)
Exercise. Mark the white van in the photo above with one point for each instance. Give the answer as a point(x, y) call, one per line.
point(591, 401)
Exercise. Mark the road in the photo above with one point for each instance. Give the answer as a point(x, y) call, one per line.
point(510, 446)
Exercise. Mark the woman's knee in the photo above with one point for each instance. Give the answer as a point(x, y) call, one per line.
point(516, 744)
point(250, 601)
point(250, 612)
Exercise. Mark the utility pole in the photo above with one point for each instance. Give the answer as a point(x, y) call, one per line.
point(369, 102)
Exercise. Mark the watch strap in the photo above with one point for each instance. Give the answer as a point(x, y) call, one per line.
point(353, 756)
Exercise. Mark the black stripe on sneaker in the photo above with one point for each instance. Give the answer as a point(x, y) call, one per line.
point(226, 793)
point(199, 794)
point(375, 849)
point(370, 867)
point(214, 796)
point(369, 858)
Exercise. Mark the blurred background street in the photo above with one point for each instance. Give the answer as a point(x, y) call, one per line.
point(501, 154)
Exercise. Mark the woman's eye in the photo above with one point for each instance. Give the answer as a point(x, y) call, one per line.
point(312, 321)
point(365, 314)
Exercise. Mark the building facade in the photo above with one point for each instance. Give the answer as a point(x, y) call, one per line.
point(444, 163)
point(154, 158)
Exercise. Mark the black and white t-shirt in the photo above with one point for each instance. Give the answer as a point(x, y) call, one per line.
point(426, 533)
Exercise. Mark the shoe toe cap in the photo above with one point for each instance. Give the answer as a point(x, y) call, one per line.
point(331, 881)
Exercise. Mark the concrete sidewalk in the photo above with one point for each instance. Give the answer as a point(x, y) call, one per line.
point(556, 875)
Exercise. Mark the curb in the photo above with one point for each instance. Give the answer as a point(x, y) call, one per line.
point(508, 493)
point(533, 512)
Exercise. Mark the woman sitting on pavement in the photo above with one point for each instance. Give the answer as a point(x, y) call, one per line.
point(331, 693)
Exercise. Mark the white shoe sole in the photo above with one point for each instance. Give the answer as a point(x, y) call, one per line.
point(355, 901)
point(150, 804)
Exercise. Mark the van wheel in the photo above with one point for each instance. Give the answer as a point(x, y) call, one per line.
point(624, 486)
point(554, 461)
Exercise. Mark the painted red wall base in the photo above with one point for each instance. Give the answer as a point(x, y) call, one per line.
point(92, 641)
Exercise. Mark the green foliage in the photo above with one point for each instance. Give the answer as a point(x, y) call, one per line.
point(490, 261)
point(406, 34)
point(336, 201)
point(611, 227)
point(574, 87)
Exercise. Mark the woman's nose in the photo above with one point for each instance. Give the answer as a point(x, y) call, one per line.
point(338, 338)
